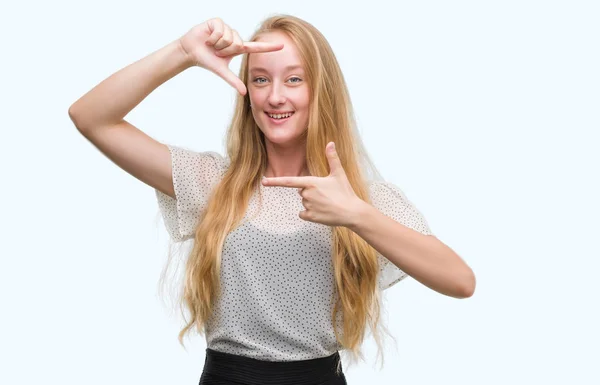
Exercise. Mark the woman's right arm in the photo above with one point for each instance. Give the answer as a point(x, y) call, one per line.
point(98, 115)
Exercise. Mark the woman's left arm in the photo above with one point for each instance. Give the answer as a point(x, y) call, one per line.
point(423, 257)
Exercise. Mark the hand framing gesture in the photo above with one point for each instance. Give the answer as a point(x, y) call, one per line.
point(212, 44)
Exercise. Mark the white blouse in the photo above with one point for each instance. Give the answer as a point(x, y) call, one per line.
point(276, 269)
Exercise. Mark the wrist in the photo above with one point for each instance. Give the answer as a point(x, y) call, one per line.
point(185, 57)
point(357, 213)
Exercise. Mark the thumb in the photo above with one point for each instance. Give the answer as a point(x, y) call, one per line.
point(226, 74)
point(335, 165)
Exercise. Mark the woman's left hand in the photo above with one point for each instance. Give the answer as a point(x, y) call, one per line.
point(328, 200)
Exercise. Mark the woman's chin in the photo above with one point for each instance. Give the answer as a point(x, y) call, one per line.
point(280, 137)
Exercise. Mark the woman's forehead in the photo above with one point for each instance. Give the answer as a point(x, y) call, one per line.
point(274, 36)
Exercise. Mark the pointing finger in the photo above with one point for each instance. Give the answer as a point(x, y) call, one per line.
point(261, 46)
point(289, 181)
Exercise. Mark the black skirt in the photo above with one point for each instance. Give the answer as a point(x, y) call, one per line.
point(230, 369)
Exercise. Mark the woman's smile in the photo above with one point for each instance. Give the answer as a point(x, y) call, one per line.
point(279, 118)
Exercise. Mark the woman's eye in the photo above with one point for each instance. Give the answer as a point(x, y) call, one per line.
point(258, 80)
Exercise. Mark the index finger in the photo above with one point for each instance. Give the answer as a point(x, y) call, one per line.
point(261, 46)
point(289, 181)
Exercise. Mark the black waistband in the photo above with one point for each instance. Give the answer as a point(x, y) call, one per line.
point(246, 370)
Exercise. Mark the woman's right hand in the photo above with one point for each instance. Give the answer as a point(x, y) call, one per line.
point(212, 44)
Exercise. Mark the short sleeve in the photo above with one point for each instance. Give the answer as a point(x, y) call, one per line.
point(392, 202)
point(195, 174)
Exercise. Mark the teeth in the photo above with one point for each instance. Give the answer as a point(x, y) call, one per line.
point(280, 116)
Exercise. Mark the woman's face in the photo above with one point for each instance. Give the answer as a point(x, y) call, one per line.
point(277, 85)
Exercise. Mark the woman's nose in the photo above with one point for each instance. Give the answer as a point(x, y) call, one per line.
point(276, 95)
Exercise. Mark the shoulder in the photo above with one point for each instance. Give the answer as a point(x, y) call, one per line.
point(393, 202)
point(184, 158)
point(382, 191)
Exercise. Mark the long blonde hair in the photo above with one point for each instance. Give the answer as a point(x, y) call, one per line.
point(331, 118)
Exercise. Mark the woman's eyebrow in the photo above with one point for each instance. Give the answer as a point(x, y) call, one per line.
point(287, 68)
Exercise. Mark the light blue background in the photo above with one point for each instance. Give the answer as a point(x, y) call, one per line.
point(486, 114)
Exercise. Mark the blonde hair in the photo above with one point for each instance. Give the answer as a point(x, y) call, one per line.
point(357, 297)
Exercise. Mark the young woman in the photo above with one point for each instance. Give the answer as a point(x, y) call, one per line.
point(294, 232)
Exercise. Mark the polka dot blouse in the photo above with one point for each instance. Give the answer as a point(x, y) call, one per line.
point(276, 270)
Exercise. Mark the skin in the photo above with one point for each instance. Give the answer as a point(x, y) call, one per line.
point(281, 89)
